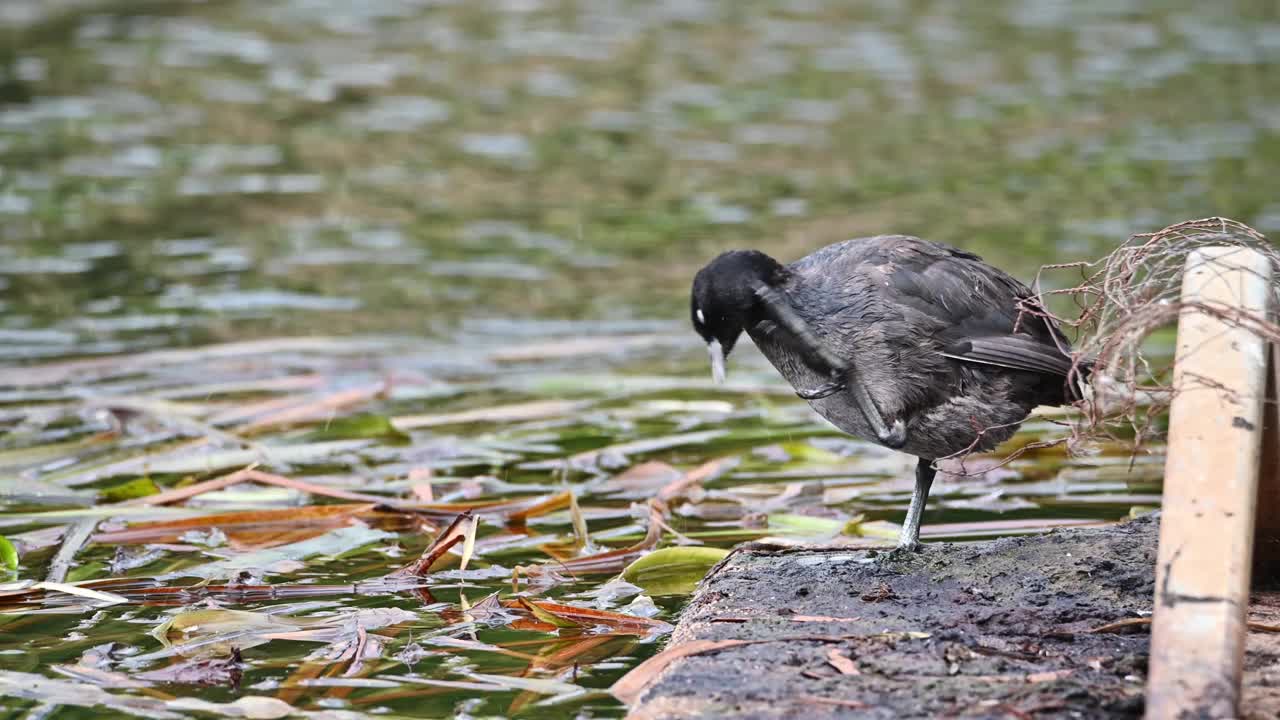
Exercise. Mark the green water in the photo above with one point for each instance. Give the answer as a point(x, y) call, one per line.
point(486, 203)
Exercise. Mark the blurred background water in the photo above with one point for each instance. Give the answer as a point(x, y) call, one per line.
point(183, 172)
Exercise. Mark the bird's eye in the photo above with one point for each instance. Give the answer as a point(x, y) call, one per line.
point(701, 319)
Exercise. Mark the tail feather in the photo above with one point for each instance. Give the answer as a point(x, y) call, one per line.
point(1081, 374)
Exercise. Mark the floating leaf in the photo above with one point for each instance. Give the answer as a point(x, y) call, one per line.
point(251, 474)
point(371, 427)
point(673, 570)
point(642, 480)
point(217, 621)
point(544, 615)
point(805, 527)
point(187, 458)
point(286, 557)
point(206, 632)
point(570, 616)
point(518, 412)
point(80, 591)
point(8, 554)
point(877, 529)
point(541, 507)
point(24, 457)
point(497, 683)
point(805, 452)
point(315, 517)
point(321, 408)
point(704, 472)
point(136, 488)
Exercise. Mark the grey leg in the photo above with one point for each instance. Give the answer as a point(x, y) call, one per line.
point(911, 526)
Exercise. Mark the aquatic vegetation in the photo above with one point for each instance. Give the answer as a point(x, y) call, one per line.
point(484, 547)
point(290, 289)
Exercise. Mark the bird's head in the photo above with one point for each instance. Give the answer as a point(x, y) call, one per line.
point(725, 300)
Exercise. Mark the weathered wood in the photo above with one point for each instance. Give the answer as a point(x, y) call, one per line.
point(1210, 490)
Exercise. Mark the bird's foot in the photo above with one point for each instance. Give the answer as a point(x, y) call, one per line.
point(822, 391)
point(895, 436)
point(905, 550)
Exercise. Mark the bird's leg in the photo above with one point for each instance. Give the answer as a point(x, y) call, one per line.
point(843, 372)
point(911, 526)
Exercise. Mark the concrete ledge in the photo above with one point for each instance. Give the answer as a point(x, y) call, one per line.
point(995, 629)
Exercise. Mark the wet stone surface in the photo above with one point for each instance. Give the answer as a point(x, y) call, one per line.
point(995, 629)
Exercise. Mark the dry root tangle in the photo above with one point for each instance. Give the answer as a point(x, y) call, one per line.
point(1119, 302)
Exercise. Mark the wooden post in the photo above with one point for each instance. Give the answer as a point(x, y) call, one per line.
point(1210, 491)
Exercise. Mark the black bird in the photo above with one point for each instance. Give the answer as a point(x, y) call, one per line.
point(912, 344)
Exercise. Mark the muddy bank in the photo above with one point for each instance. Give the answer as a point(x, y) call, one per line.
point(1000, 629)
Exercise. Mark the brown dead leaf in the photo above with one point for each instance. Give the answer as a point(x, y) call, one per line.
point(514, 511)
point(1120, 625)
point(250, 474)
point(283, 522)
point(695, 477)
point(245, 540)
point(318, 408)
point(581, 650)
point(571, 616)
point(645, 478)
point(629, 686)
point(555, 502)
point(841, 662)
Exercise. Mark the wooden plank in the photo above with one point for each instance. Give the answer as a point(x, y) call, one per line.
point(1210, 490)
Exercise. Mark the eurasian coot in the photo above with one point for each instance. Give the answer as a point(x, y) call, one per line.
point(912, 344)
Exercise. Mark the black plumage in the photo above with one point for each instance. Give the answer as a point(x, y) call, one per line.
point(910, 343)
